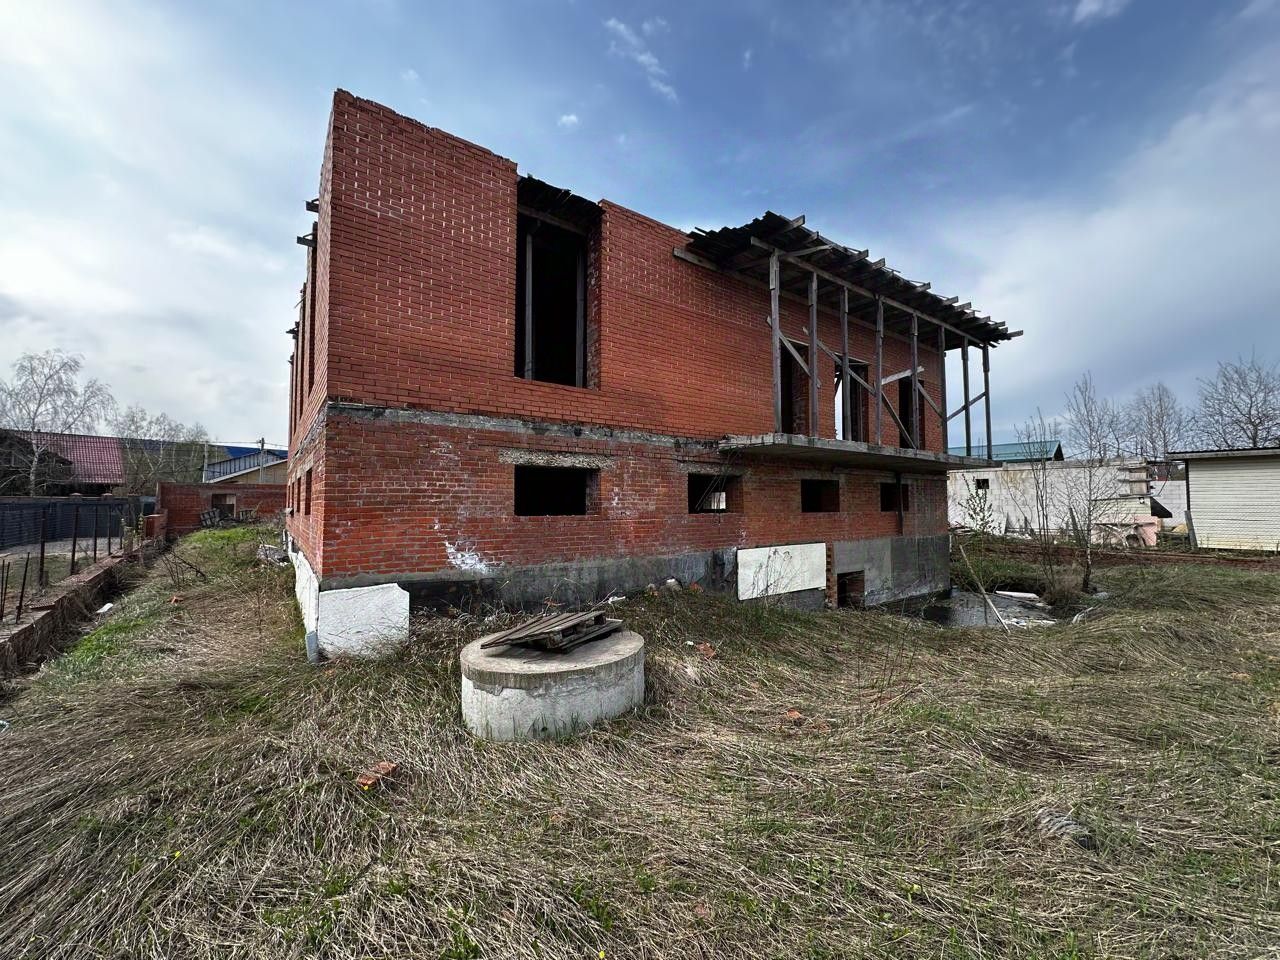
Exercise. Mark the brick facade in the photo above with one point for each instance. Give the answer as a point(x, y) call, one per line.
point(411, 427)
point(184, 502)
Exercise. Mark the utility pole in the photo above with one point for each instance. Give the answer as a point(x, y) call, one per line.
point(262, 455)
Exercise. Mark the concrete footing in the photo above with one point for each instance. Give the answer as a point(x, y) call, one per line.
point(515, 693)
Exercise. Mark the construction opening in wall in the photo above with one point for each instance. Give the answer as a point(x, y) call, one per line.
point(550, 303)
point(552, 491)
point(819, 496)
point(708, 493)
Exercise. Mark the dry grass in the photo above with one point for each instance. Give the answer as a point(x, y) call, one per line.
point(181, 785)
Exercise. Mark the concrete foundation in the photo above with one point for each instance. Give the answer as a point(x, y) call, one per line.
point(355, 622)
point(515, 693)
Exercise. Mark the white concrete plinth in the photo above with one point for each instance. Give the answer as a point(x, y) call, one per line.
point(515, 693)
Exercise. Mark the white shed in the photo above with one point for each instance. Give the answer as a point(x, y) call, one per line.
point(1233, 497)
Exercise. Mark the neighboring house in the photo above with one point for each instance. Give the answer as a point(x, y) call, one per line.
point(505, 392)
point(66, 463)
point(256, 466)
point(1005, 499)
point(1233, 497)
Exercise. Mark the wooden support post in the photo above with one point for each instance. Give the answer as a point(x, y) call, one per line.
point(75, 534)
point(916, 419)
point(879, 369)
point(775, 325)
point(986, 389)
point(813, 354)
point(942, 381)
point(580, 374)
point(528, 306)
point(846, 402)
point(968, 412)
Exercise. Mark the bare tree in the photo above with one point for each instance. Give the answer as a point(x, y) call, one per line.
point(1154, 423)
point(1041, 514)
point(1091, 424)
point(46, 396)
point(1240, 405)
point(157, 447)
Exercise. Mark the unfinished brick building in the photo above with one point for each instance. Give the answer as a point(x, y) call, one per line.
point(504, 391)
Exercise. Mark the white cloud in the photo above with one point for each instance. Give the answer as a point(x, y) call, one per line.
point(627, 43)
point(164, 241)
point(1168, 266)
point(409, 75)
point(747, 56)
point(1088, 10)
point(653, 26)
point(567, 121)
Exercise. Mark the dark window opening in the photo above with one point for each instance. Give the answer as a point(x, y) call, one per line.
point(225, 504)
point(819, 496)
point(553, 491)
point(851, 589)
point(307, 493)
point(857, 402)
point(909, 414)
point(551, 309)
point(982, 484)
point(894, 497)
point(711, 493)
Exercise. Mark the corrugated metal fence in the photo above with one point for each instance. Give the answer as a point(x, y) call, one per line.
point(26, 520)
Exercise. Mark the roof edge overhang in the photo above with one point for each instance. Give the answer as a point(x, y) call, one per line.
point(748, 249)
point(1227, 454)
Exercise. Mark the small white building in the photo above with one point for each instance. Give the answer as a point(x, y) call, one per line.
point(1005, 499)
point(1233, 498)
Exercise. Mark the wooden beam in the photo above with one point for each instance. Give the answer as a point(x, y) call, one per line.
point(813, 354)
point(879, 367)
point(968, 421)
point(846, 402)
point(856, 288)
point(942, 376)
point(775, 326)
point(921, 391)
point(893, 415)
point(795, 355)
point(915, 382)
point(986, 394)
point(965, 409)
point(895, 377)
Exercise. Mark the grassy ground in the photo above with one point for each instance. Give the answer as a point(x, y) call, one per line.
point(811, 785)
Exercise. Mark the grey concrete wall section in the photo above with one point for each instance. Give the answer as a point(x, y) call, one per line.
point(897, 568)
point(574, 584)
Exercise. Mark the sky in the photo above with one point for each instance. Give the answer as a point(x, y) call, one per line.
point(1102, 174)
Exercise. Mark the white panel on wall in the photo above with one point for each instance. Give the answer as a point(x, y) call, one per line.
point(766, 571)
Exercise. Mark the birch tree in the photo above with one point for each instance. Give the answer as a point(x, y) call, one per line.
point(1155, 423)
point(1091, 425)
point(46, 396)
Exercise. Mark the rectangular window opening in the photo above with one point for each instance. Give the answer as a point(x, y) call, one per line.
point(551, 303)
point(851, 589)
point(711, 493)
point(307, 493)
point(553, 491)
point(819, 496)
point(794, 387)
point(893, 494)
point(982, 483)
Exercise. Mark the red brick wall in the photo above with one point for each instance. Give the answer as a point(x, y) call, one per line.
point(416, 305)
point(184, 502)
point(401, 493)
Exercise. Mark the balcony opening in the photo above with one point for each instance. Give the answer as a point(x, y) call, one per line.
point(553, 491)
point(551, 311)
point(819, 496)
point(857, 402)
point(909, 414)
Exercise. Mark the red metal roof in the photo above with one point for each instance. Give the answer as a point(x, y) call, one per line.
point(93, 459)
